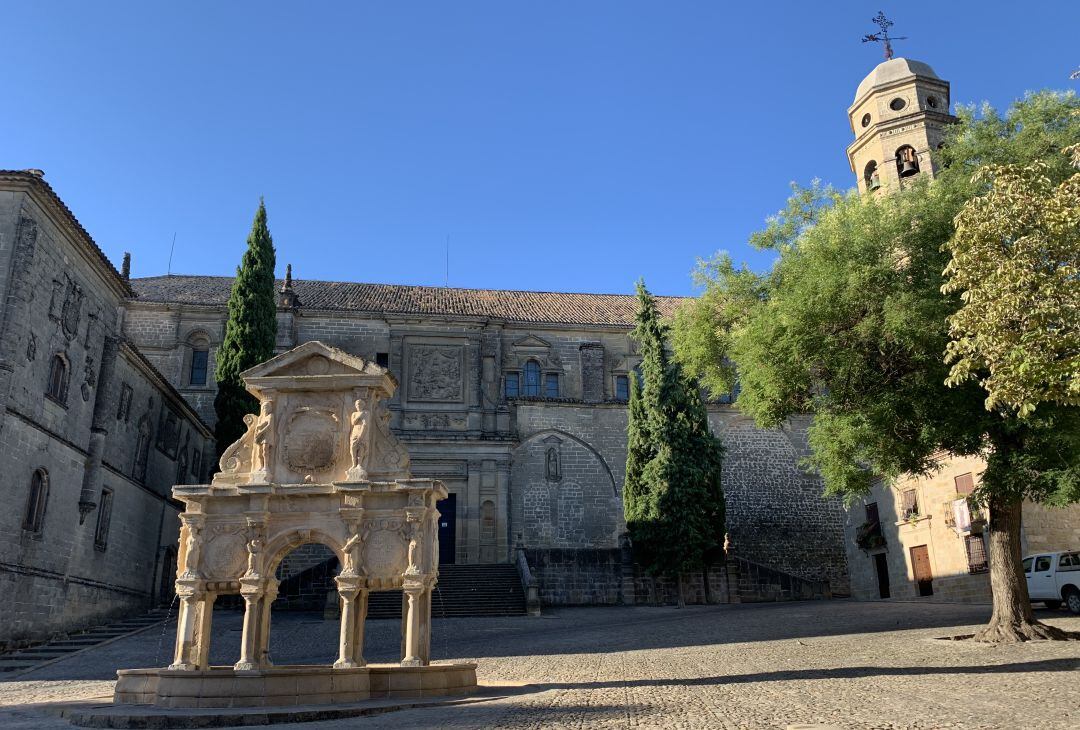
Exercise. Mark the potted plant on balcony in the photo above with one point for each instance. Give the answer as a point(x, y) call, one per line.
point(869, 537)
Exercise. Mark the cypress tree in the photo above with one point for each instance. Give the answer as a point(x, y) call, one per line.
point(672, 496)
point(250, 331)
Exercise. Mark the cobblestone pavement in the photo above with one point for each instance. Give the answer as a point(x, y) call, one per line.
point(837, 663)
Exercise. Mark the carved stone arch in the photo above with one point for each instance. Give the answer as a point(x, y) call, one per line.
point(196, 340)
point(291, 538)
point(558, 433)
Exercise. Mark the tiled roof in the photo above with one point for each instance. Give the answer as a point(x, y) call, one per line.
point(34, 179)
point(518, 306)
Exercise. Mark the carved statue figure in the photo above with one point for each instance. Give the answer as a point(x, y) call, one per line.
point(412, 531)
point(359, 440)
point(352, 554)
point(552, 465)
point(193, 547)
point(254, 547)
point(263, 437)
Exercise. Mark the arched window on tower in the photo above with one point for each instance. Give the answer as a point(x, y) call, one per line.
point(532, 378)
point(870, 175)
point(907, 161)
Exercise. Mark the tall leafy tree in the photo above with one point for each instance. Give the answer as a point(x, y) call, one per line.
point(1016, 263)
point(673, 500)
point(851, 324)
point(250, 331)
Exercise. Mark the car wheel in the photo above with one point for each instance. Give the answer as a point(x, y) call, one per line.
point(1073, 602)
point(1053, 605)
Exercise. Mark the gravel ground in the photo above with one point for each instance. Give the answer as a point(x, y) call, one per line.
point(838, 663)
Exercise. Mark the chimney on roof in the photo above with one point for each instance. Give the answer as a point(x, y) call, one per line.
point(288, 298)
point(36, 173)
point(125, 267)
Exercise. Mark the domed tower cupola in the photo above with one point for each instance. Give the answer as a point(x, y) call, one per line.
point(898, 117)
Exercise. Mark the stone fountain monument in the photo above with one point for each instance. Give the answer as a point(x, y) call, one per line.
point(318, 464)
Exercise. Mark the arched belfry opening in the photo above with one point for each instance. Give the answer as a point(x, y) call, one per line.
point(317, 465)
point(871, 176)
point(907, 161)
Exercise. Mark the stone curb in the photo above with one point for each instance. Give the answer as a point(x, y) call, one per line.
point(149, 718)
point(8, 676)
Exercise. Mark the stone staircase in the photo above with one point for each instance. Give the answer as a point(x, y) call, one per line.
point(463, 590)
point(23, 659)
point(760, 583)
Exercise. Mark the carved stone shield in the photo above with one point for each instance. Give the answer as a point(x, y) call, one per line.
point(311, 440)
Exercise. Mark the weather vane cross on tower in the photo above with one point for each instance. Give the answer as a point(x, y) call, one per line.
point(883, 37)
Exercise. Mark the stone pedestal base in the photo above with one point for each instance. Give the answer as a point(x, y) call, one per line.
point(285, 686)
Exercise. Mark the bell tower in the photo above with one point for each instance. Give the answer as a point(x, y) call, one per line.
point(899, 118)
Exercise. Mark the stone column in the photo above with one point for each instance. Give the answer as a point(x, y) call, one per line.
point(253, 593)
point(413, 656)
point(203, 624)
point(425, 627)
point(186, 655)
point(263, 644)
point(353, 613)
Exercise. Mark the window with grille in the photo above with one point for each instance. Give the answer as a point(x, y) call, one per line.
point(965, 484)
point(976, 554)
point(513, 381)
point(101, 534)
point(622, 387)
point(551, 385)
point(34, 519)
point(532, 378)
point(58, 379)
point(910, 504)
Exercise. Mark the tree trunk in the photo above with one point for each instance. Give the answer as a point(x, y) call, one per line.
point(679, 588)
point(1012, 620)
point(705, 584)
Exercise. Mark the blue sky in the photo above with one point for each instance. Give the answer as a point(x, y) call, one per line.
point(560, 145)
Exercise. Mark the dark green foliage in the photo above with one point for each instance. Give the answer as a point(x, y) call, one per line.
point(250, 331)
point(672, 497)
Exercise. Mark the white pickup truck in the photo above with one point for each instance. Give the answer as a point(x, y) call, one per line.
point(1054, 578)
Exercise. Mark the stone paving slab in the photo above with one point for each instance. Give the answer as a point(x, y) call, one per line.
point(841, 664)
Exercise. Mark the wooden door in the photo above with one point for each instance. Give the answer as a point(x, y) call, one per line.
point(920, 563)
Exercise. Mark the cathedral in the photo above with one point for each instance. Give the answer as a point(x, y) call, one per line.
point(515, 400)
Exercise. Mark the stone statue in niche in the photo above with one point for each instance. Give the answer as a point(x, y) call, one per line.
point(552, 470)
point(358, 440)
point(31, 348)
point(263, 437)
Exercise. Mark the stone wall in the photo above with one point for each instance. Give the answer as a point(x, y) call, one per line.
point(82, 563)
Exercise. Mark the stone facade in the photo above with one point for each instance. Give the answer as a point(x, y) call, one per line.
point(539, 468)
point(92, 435)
